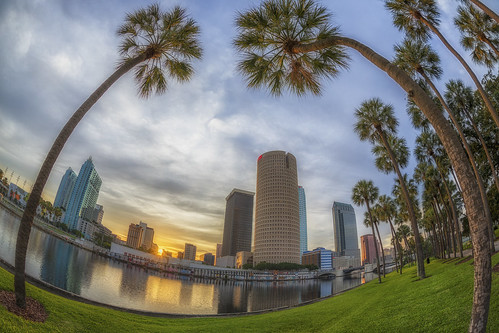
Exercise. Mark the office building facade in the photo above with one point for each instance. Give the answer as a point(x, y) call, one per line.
point(238, 224)
point(84, 195)
point(190, 252)
point(277, 218)
point(134, 237)
point(66, 186)
point(345, 230)
point(368, 251)
point(320, 257)
point(303, 220)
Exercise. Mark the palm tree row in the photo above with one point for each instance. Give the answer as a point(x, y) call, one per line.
point(376, 122)
point(420, 18)
point(292, 44)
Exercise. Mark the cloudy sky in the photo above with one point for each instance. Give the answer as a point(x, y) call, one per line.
point(171, 160)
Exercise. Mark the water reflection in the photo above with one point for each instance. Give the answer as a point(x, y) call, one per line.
point(104, 280)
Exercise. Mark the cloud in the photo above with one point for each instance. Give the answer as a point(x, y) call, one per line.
point(171, 160)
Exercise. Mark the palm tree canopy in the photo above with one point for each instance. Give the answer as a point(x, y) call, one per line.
point(399, 147)
point(367, 220)
point(408, 15)
point(404, 230)
point(460, 97)
point(373, 116)
point(266, 37)
point(417, 57)
point(427, 146)
point(168, 39)
point(399, 196)
point(364, 192)
point(387, 208)
point(477, 30)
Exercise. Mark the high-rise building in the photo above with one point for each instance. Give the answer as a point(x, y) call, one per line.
point(190, 252)
point(65, 188)
point(208, 259)
point(84, 195)
point(134, 235)
point(303, 220)
point(148, 239)
point(368, 250)
point(277, 217)
point(143, 225)
point(345, 230)
point(98, 214)
point(238, 224)
point(218, 252)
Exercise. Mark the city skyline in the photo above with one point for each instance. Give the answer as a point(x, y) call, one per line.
point(171, 159)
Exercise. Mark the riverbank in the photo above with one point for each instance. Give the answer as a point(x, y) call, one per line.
point(441, 302)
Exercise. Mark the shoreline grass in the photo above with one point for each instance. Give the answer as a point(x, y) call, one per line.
point(440, 303)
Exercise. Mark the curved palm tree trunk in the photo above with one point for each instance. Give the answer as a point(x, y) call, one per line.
point(482, 92)
point(486, 10)
point(438, 214)
point(374, 237)
point(436, 246)
point(36, 193)
point(382, 249)
point(454, 223)
point(410, 207)
point(485, 149)
point(473, 163)
point(451, 227)
point(395, 242)
point(472, 199)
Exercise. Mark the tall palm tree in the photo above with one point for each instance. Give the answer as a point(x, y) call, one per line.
point(404, 232)
point(400, 150)
point(375, 213)
point(418, 18)
point(365, 193)
point(274, 35)
point(486, 9)
point(387, 210)
point(375, 122)
point(479, 35)
point(160, 45)
point(461, 99)
point(417, 58)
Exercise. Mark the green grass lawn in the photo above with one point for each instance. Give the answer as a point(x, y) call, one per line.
point(441, 302)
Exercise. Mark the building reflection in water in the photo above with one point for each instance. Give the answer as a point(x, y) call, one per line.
point(133, 284)
point(105, 280)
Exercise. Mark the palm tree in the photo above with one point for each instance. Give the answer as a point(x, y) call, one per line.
point(462, 100)
point(272, 37)
point(367, 223)
point(365, 193)
point(375, 121)
point(387, 210)
point(160, 45)
point(480, 35)
point(404, 232)
point(418, 18)
point(486, 9)
point(417, 58)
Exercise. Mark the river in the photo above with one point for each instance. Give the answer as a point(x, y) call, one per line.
point(91, 276)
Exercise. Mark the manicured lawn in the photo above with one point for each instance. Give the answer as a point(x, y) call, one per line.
point(441, 302)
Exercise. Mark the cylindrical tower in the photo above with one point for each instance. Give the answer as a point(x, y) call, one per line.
point(277, 218)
